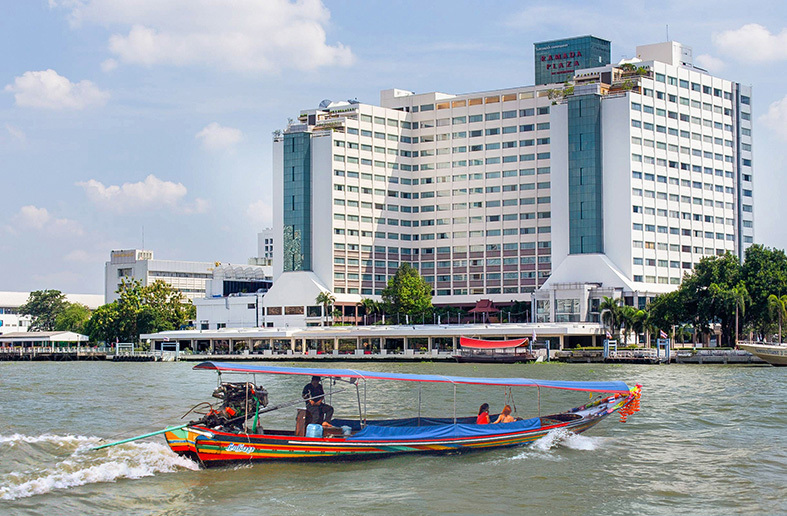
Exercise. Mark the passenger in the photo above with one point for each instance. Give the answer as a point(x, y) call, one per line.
point(505, 416)
point(321, 413)
point(483, 415)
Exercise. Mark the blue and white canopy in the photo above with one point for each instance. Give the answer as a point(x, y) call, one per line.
point(226, 367)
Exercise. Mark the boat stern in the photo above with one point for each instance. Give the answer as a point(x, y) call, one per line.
point(183, 441)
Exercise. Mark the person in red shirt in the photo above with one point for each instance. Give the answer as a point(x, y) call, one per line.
point(483, 415)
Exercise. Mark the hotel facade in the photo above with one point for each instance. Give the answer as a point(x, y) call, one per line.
point(601, 179)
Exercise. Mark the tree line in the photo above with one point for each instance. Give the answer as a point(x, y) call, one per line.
point(739, 298)
point(139, 309)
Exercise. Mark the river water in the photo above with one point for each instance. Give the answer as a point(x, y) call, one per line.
point(708, 440)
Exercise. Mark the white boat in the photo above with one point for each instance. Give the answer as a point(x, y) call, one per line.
point(775, 354)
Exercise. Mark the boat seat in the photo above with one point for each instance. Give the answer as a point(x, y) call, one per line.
point(302, 419)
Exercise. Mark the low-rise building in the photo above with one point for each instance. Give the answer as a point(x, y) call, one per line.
point(234, 297)
point(127, 264)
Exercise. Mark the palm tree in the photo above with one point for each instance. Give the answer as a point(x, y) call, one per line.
point(370, 307)
point(326, 299)
point(639, 324)
point(626, 316)
point(740, 297)
point(778, 305)
point(610, 313)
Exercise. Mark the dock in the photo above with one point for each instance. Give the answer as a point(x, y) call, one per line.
point(43, 353)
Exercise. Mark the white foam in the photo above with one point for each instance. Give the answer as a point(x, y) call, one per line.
point(563, 437)
point(132, 460)
point(59, 440)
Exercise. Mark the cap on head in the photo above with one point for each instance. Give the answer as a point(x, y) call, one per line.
point(315, 378)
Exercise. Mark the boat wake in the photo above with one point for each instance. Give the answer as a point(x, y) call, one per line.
point(556, 439)
point(76, 464)
point(568, 439)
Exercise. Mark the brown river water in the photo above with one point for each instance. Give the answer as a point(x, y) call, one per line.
point(708, 440)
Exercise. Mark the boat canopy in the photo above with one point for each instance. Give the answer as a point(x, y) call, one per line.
point(227, 367)
point(469, 343)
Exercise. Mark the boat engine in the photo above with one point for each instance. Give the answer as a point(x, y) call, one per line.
point(237, 397)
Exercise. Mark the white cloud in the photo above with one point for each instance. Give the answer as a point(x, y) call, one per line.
point(151, 193)
point(710, 63)
point(109, 65)
point(33, 218)
point(215, 136)
point(16, 133)
point(48, 90)
point(246, 35)
point(753, 42)
point(776, 118)
point(259, 214)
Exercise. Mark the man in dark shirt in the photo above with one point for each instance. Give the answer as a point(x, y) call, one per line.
point(321, 413)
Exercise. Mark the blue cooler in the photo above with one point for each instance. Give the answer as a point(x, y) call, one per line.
point(314, 431)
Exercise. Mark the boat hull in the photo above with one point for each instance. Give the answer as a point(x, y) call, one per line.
point(214, 448)
point(499, 358)
point(771, 353)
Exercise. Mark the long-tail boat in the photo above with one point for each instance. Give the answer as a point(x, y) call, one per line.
point(230, 432)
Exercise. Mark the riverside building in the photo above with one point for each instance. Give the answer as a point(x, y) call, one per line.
point(126, 264)
point(602, 179)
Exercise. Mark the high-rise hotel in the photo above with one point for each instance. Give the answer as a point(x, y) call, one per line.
point(601, 179)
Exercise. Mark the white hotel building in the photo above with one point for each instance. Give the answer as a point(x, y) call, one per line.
point(532, 193)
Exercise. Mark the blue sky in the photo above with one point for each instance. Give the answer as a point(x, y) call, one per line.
point(119, 115)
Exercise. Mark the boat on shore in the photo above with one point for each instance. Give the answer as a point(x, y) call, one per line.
point(231, 431)
point(774, 354)
point(494, 351)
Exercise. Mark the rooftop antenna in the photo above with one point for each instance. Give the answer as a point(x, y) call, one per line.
point(668, 32)
point(143, 237)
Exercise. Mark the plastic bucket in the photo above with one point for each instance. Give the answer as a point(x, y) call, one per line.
point(314, 431)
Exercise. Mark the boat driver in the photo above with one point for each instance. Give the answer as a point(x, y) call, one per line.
point(321, 413)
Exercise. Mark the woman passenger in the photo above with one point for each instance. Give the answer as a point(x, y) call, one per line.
point(505, 416)
point(483, 415)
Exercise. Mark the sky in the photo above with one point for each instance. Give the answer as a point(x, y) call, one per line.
point(131, 123)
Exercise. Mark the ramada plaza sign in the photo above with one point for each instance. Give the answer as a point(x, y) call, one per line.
point(565, 61)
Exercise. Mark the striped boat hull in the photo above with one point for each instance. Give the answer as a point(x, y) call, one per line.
point(212, 447)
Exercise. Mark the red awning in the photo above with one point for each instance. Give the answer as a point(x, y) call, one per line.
point(466, 342)
point(484, 306)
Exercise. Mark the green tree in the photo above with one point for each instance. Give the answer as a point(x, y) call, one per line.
point(666, 311)
point(369, 307)
point(43, 306)
point(707, 293)
point(640, 323)
point(104, 324)
point(326, 299)
point(626, 318)
point(73, 318)
point(140, 309)
point(407, 293)
point(777, 309)
point(609, 309)
point(764, 272)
